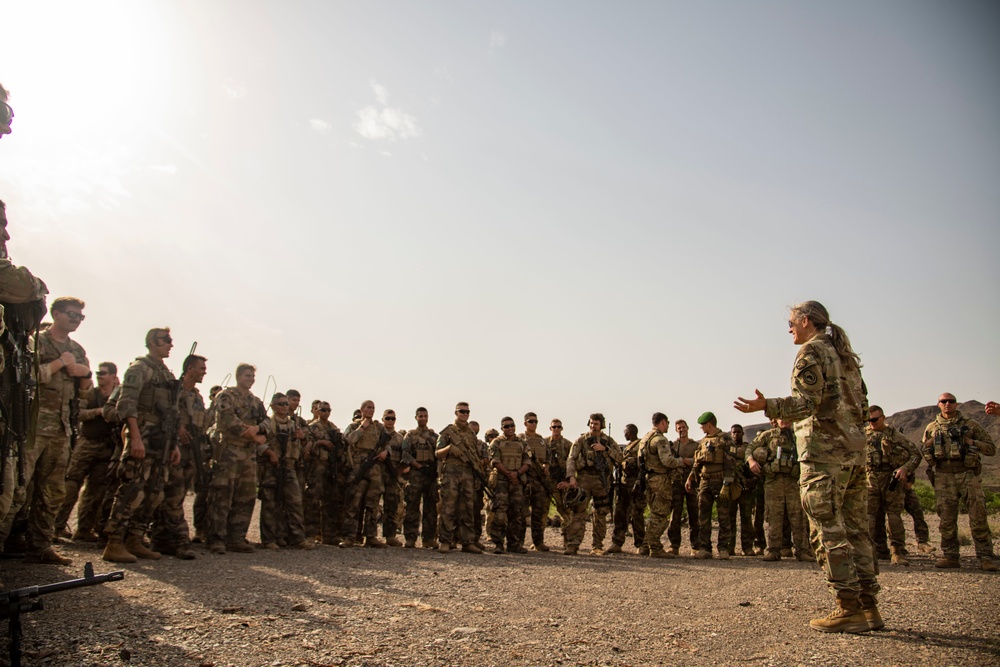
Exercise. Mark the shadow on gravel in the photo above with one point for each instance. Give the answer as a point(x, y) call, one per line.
point(74, 625)
point(981, 646)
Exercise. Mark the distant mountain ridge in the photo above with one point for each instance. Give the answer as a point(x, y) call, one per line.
point(912, 423)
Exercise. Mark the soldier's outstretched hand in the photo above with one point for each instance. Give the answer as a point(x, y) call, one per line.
point(751, 404)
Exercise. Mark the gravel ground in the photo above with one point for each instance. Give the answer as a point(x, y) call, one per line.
point(416, 607)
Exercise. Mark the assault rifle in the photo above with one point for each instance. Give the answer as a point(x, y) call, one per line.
point(476, 472)
point(550, 489)
point(24, 600)
point(170, 421)
point(18, 384)
point(74, 415)
point(333, 456)
point(361, 471)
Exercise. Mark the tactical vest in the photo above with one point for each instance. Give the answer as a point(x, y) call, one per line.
point(650, 448)
point(948, 442)
point(785, 459)
point(587, 458)
point(879, 453)
point(511, 452)
point(423, 443)
point(154, 401)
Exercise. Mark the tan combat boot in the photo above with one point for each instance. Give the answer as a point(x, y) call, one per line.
point(116, 552)
point(870, 608)
point(393, 542)
point(541, 546)
point(926, 548)
point(135, 546)
point(444, 548)
point(429, 544)
point(411, 543)
point(947, 562)
point(723, 554)
point(661, 553)
point(805, 557)
point(614, 549)
point(786, 553)
point(471, 548)
point(772, 556)
point(847, 617)
point(703, 554)
point(986, 564)
point(644, 550)
point(898, 558)
point(375, 543)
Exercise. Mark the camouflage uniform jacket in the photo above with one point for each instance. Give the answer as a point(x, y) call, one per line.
point(149, 396)
point(828, 405)
point(956, 442)
point(558, 448)
point(194, 416)
point(657, 454)
point(512, 452)
point(714, 458)
point(55, 390)
point(281, 440)
point(888, 450)
point(18, 286)
point(395, 446)
point(536, 443)
point(235, 411)
point(361, 441)
point(419, 445)
point(765, 450)
point(684, 450)
point(464, 447)
point(583, 457)
point(320, 431)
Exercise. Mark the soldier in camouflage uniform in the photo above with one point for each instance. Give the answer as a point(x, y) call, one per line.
point(303, 443)
point(663, 469)
point(911, 503)
point(630, 506)
point(421, 484)
point(362, 516)
point(890, 456)
point(954, 446)
point(742, 504)
point(324, 436)
point(772, 454)
point(63, 375)
point(278, 481)
point(243, 425)
point(713, 474)
point(558, 448)
point(394, 481)
point(170, 533)
point(510, 462)
point(828, 406)
point(535, 496)
point(479, 501)
point(147, 403)
point(90, 460)
point(458, 451)
point(684, 449)
point(588, 470)
point(211, 441)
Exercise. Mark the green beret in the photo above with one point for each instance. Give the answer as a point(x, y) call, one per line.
point(706, 417)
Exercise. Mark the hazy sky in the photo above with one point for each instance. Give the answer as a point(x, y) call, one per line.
point(559, 207)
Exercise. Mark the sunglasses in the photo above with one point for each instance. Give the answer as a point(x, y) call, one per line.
point(532, 421)
point(556, 426)
point(283, 404)
point(462, 412)
point(947, 400)
point(507, 426)
point(388, 419)
point(99, 373)
point(163, 339)
point(75, 316)
point(324, 409)
point(874, 419)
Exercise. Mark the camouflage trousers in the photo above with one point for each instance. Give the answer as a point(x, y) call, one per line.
point(361, 517)
point(744, 507)
point(170, 526)
point(87, 469)
point(507, 507)
point(708, 495)
point(139, 493)
point(478, 505)
point(536, 499)
point(392, 502)
point(679, 499)
point(421, 494)
point(835, 497)
point(590, 484)
point(457, 488)
point(885, 504)
point(45, 461)
point(783, 505)
point(312, 495)
point(334, 508)
point(232, 493)
point(660, 496)
point(911, 503)
point(280, 503)
point(951, 488)
point(630, 509)
point(199, 511)
point(9, 484)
